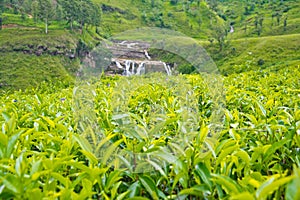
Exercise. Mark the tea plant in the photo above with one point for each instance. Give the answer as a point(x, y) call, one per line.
point(44, 154)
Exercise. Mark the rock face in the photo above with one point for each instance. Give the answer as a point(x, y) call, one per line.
point(132, 57)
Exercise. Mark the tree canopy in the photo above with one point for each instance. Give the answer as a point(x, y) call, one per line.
point(75, 12)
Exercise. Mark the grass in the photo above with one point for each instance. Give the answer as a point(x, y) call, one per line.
point(28, 56)
point(26, 21)
point(21, 68)
point(270, 26)
point(22, 71)
point(244, 54)
point(35, 37)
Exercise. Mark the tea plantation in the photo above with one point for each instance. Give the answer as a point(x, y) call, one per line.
point(253, 153)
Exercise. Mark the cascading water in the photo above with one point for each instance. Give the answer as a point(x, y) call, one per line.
point(132, 58)
point(129, 67)
point(141, 69)
point(147, 55)
point(167, 68)
point(119, 65)
point(133, 68)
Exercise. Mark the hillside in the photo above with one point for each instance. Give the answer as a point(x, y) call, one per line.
point(32, 57)
point(198, 18)
point(263, 34)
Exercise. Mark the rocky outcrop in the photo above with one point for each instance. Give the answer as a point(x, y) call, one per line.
point(39, 50)
point(132, 57)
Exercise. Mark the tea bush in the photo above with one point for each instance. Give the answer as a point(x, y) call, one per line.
point(45, 154)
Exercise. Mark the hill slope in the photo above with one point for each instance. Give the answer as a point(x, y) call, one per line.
point(262, 34)
point(30, 57)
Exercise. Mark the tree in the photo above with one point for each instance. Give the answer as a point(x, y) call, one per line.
point(174, 2)
point(70, 10)
point(81, 11)
point(35, 10)
point(278, 16)
point(96, 15)
point(213, 4)
point(46, 12)
point(220, 33)
point(258, 22)
point(285, 22)
point(84, 14)
point(1, 10)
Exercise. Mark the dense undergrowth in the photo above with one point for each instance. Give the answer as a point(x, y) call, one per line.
point(44, 154)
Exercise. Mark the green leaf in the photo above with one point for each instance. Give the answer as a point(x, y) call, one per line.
point(38, 98)
point(203, 134)
point(261, 108)
point(84, 144)
point(134, 189)
point(273, 149)
point(293, 190)
point(109, 151)
point(123, 195)
point(149, 185)
point(114, 189)
point(20, 165)
point(11, 144)
point(243, 196)
point(229, 185)
point(49, 121)
point(6, 116)
point(202, 171)
point(3, 145)
point(113, 178)
point(92, 158)
point(197, 190)
point(270, 185)
point(138, 198)
point(35, 193)
point(225, 152)
point(243, 155)
point(12, 183)
point(157, 167)
point(63, 180)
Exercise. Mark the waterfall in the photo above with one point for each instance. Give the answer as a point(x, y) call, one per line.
point(141, 69)
point(137, 67)
point(133, 68)
point(127, 67)
point(167, 68)
point(147, 55)
point(231, 29)
point(119, 65)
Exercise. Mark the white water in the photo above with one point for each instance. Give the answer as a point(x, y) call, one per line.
point(130, 67)
point(141, 69)
point(147, 55)
point(130, 45)
point(167, 68)
point(231, 29)
point(127, 67)
point(133, 68)
point(119, 65)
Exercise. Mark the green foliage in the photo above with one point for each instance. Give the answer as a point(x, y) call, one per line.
point(256, 156)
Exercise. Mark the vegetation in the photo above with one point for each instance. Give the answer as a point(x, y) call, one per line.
point(85, 23)
point(150, 136)
point(255, 156)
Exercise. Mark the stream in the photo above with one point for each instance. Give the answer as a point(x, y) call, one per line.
point(132, 58)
